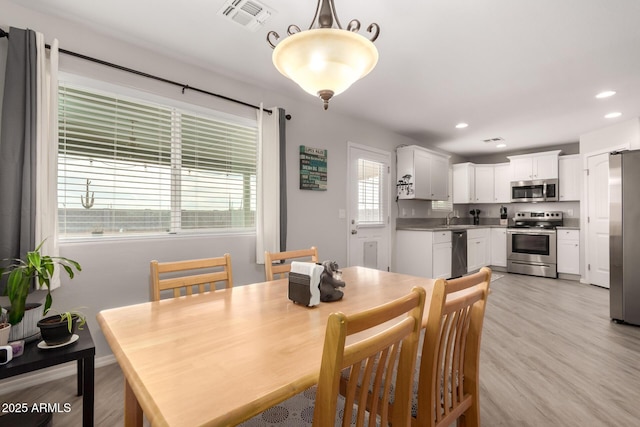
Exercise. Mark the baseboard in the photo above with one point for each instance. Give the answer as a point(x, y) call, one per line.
point(567, 276)
point(41, 376)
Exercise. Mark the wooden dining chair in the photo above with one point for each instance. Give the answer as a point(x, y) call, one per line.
point(201, 272)
point(281, 268)
point(385, 360)
point(448, 366)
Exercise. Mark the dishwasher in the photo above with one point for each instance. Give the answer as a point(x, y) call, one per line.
point(458, 253)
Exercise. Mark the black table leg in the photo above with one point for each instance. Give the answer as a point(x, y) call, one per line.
point(88, 391)
point(79, 376)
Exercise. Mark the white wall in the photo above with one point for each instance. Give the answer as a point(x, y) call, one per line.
point(116, 273)
point(627, 132)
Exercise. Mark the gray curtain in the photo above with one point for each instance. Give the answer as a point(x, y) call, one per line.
point(283, 180)
point(18, 147)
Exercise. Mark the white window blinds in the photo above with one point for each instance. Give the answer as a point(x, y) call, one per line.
point(371, 192)
point(131, 167)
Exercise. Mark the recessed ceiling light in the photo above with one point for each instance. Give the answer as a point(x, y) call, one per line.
point(606, 94)
point(613, 115)
point(501, 145)
point(461, 125)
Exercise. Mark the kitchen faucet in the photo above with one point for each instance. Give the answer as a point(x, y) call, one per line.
point(449, 217)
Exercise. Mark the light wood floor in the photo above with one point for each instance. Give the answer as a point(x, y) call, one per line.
point(550, 357)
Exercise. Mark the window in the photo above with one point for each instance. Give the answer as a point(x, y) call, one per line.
point(130, 167)
point(371, 192)
point(441, 205)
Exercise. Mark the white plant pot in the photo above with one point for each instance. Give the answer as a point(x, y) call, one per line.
point(27, 329)
point(4, 335)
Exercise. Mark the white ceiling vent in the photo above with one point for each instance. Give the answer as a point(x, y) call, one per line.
point(251, 14)
point(494, 140)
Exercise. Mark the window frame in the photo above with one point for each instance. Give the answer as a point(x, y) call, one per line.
point(142, 96)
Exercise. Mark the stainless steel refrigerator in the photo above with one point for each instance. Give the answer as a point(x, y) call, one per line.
point(624, 236)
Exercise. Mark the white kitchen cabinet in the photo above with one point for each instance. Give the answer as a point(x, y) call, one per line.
point(499, 247)
point(464, 183)
point(568, 251)
point(569, 177)
point(427, 173)
point(477, 248)
point(481, 183)
point(441, 255)
point(484, 185)
point(424, 253)
point(527, 167)
point(440, 178)
point(502, 183)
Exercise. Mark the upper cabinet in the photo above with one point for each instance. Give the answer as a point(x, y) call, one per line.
point(422, 174)
point(481, 183)
point(528, 167)
point(484, 183)
point(464, 183)
point(502, 183)
point(569, 177)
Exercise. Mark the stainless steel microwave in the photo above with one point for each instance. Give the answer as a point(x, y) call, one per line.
point(541, 190)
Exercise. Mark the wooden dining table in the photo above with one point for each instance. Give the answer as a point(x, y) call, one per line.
point(219, 358)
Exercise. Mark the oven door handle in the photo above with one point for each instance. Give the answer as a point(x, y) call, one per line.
point(533, 233)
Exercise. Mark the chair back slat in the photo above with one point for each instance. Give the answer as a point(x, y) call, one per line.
point(448, 386)
point(217, 270)
point(370, 364)
point(283, 260)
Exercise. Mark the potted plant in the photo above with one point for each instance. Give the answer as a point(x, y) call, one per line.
point(59, 328)
point(22, 272)
point(5, 328)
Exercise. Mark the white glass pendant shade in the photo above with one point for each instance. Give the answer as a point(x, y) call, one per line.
point(325, 59)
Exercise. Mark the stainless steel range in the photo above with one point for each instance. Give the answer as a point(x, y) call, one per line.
point(532, 244)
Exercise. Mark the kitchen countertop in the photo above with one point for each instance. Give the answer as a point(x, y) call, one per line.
point(443, 227)
point(562, 227)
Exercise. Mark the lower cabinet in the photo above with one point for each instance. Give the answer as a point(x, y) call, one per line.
point(428, 253)
point(424, 253)
point(499, 247)
point(568, 251)
point(477, 248)
point(441, 254)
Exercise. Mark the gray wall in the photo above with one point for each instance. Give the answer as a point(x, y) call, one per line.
point(116, 272)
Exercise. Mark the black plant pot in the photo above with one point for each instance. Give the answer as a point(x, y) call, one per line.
point(55, 331)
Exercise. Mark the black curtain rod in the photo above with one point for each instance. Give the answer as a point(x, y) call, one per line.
point(150, 76)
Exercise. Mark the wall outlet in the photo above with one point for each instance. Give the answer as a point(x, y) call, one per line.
point(570, 212)
point(413, 212)
point(404, 212)
point(342, 214)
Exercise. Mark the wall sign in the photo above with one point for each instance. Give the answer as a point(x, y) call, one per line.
point(313, 168)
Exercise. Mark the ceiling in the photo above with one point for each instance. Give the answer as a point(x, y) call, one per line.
point(523, 70)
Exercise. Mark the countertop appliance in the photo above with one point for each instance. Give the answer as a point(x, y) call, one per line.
point(532, 243)
point(624, 236)
point(541, 190)
point(458, 253)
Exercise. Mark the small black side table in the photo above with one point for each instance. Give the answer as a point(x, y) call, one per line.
point(83, 350)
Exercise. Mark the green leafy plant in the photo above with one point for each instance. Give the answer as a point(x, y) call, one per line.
point(22, 272)
point(68, 316)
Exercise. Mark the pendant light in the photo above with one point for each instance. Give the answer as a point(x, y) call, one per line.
point(325, 59)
